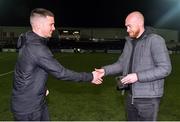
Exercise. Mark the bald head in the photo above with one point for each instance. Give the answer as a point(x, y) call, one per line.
point(135, 24)
point(137, 17)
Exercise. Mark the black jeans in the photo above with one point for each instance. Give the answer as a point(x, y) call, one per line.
point(142, 109)
point(41, 115)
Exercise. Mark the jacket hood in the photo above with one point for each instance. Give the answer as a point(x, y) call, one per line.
point(149, 30)
point(21, 41)
point(30, 37)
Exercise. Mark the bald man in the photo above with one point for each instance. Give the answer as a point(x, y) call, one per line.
point(144, 63)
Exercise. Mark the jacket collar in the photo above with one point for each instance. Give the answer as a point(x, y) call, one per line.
point(30, 38)
point(34, 38)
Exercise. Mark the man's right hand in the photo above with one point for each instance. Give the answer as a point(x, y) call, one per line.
point(101, 72)
point(97, 76)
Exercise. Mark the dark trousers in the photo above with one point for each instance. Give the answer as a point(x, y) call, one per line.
point(41, 115)
point(142, 109)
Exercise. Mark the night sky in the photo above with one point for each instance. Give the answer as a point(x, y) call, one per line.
point(93, 13)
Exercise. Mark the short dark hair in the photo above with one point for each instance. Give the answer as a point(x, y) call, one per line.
point(40, 12)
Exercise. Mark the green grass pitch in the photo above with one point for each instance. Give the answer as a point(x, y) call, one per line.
point(70, 101)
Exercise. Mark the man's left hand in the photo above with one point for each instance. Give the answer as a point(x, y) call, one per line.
point(130, 78)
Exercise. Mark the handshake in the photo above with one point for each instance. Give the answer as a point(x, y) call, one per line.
point(98, 74)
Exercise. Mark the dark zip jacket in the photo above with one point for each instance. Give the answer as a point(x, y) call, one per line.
point(34, 62)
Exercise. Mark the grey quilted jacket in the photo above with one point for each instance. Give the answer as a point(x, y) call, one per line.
point(151, 63)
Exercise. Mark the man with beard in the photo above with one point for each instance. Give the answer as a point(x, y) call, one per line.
point(144, 63)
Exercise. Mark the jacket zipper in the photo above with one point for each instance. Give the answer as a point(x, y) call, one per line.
point(132, 100)
point(132, 97)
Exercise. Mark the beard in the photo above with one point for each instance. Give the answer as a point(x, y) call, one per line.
point(134, 34)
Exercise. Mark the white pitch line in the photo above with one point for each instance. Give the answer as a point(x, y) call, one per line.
point(6, 73)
